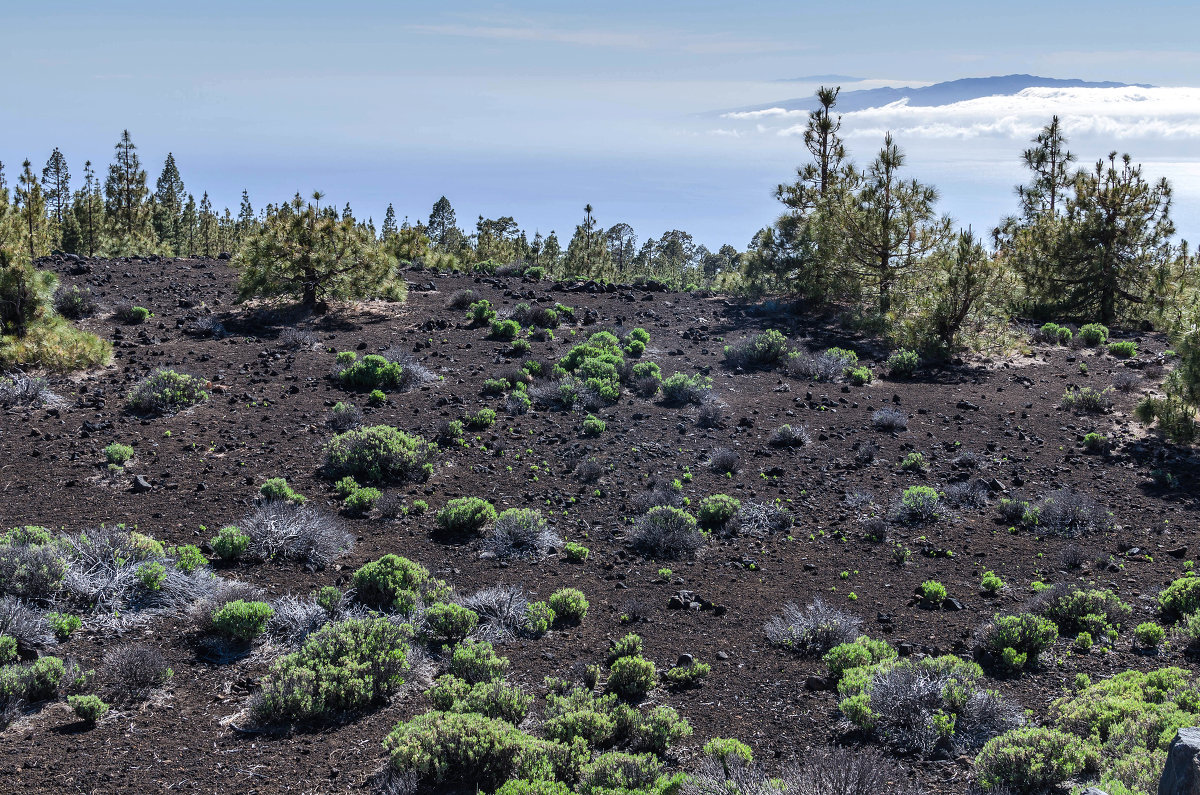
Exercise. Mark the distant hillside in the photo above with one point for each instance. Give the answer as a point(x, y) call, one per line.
point(938, 93)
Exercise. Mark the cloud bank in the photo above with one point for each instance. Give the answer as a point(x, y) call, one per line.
point(1117, 113)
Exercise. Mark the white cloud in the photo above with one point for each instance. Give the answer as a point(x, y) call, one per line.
point(1168, 113)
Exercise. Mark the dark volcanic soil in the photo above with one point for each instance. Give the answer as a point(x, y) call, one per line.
point(267, 419)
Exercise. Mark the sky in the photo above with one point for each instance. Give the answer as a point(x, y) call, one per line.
point(533, 109)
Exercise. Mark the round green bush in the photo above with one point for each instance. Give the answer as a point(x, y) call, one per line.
point(450, 623)
point(569, 605)
point(379, 453)
point(88, 709)
point(632, 677)
point(1031, 759)
point(539, 617)
point(392, 582)
point(465, 515)
point(229, 543)
point(241, 620)
point(1181, 597)
point(717, 509)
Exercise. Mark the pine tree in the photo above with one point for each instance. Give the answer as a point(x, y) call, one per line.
point(246, 220)
point(587, 254)
point(56, 184)
point(189, 222)
point(87, 209)
point(30, 204)
point(169, 196)
point(302, 252)
point(889, 223)
point(622, 246)
point(125, 195)
point(443, 225)
point(389, 223)
point(208, 227)
point(551, 252)
point(1116, 238)
point(1050, 162)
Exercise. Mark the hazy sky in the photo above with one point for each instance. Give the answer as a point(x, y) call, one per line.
point(532, 109)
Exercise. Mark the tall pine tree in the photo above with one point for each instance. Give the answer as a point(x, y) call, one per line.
point(56, 184)
point(169, 196)
point(389, 224)
point(125, 195)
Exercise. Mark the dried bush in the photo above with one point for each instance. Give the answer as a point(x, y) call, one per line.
point(297, 617)
point(723, 460)
point(679, 389)
point(815, 629)
point(461, 299)
point(661, 491)
point(848, 771)
point(814, 366)
point(1088, 400)
point(1072, 557)
point(501, 610)
point(344, 417)
point(709, 415)
point(206, 326)
point(31, 571)
point(790, 436)
point(25, 624)
point(667, 533)
point(763, 518)
point(130, 672)
point(73, 303)
point(968, 494)
point(890, 420)
point(520, 533)
point(18, 389)
point(281, 528)
point(296, 339)
point(1068, 513)
point(588, 470)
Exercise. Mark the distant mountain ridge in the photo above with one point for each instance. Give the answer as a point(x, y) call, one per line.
point(940, 93)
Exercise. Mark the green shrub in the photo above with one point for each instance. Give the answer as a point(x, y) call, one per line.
point(1149, 635)
point(593, 426)
point(166, 392)
point(137, 315)
point(1016, 641)
point(484, 418)
point(576, 553)
point(990, 583)
point(450, 623)
point(862, 651)
point(188, 557)
point(342, 668)
point(378, 453)
point(616, 772)
point(330, 599)
point(494, 699)
point(1181, 597)
point(362, 499)
point(659, 729)
point(63, 624)
point(919, 504)
point(1094, 442)
point(1054, 333)
point(634, 348)
point(118, 454)
point(480, 313)
point(229, 543)
point(278, 489)
point(8, 649)
point(495, 386)
point(377, 397)
point(1031, 759)
point(151, 575)
point(1093, 334)
point(933, 593)
point(570, 606)
point(242, 621)
point(467, 748)
point(765, 348)
point(391, 582)
point(1075, 610)
point(465, 515)
point(1088, 400)
point(1126, 349)
point(632, 678)
point(505, 329)
point(372, 372)
point(628, 646)
point(717, 509)
point(903, 363)
point(860, 376)
point(913, 462)
point(726, 749)
point(684, 676)
point(88, 709)
point(640, 335)
point(539, 617)
point(1084, 642)
point(477, 661)
point(679, 388)
point(32, 682)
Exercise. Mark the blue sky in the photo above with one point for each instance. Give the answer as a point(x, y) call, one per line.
point(534, 108)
